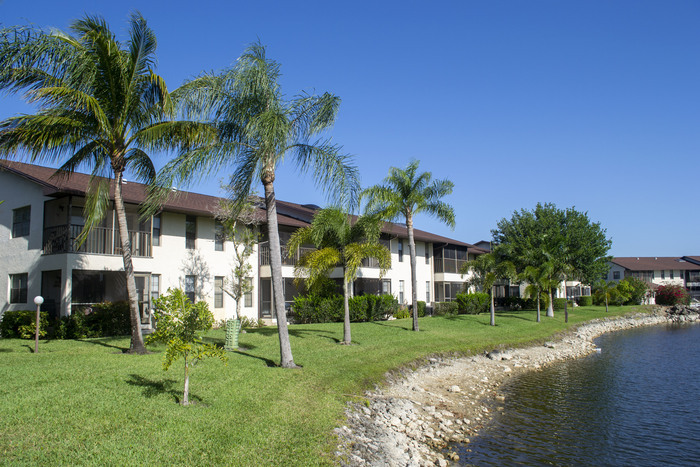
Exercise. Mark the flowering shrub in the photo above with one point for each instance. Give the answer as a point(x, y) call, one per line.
point(672, 295)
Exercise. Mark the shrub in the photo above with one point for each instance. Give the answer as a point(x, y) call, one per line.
point(586, 300)
point(421, 309)
point(317, 309)
point(402, 313)
point(558, 303)
point(635, 288)
point(100, 320)
point(21, 324)
point(250, 322)
point(672, 295)
point(446, 308)
point(473, 303)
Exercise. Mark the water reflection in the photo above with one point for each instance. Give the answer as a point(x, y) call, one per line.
point(635, 403)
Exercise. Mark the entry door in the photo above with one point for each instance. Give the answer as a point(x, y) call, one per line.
point(142, 292)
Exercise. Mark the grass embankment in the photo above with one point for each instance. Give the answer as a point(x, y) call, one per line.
point(86, 402)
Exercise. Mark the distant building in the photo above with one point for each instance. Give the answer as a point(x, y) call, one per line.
point(657, 270)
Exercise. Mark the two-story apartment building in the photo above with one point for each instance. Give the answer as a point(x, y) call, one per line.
point(182, 246)
point(656, 271)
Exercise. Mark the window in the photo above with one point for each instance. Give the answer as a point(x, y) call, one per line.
point(671, 273)
point(190, 232)
point(663, 274)
point(190, 285)
point(20, 221)
point(219, 236)
point(400, 251)
point(400, 292)
point(427, 254)
point(427, 291)
point(218, 292)
point(156, 230)
point(18, 288)
point(616, 275)
point(155, 287)
point(386, 286)
point(248, 295)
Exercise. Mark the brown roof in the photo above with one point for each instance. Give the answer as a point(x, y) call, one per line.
point(652, 263)
point(289, 214)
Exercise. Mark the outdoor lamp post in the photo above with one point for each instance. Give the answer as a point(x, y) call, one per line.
point(38, 300)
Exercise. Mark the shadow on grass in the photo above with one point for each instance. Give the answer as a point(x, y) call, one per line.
point(103, 344)
point(6, 350)
point(518, 316)
point(300, 333)
point(267, 361)
point(152, 387)
point(402, 328)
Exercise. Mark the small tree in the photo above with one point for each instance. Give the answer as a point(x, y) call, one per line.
point(178, 322)
point(488, 270)
point(604, 291)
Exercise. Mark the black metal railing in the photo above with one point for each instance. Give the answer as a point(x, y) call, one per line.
point(100, 241)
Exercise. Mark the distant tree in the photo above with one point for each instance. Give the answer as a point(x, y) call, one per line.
point(405, 193)
point(487, 270)
point(178, 323)
point(257, 129)
point(339, 242)
point(538, 281)
point(101, 104)
point(567, 241)
point(636, 288)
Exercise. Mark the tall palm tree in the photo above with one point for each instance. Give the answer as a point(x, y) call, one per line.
point(405, 193)
point(99, 104)
point(257, 128)
point(487, 271)
point(539, 280)
point(339, 242)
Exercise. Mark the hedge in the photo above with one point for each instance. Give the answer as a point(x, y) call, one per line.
point(316, 309)
point(473, 303)
point(21, 324)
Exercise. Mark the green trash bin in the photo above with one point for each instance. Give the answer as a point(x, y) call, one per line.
point(233, 328)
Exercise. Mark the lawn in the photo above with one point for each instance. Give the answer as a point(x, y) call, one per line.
point(86, 402)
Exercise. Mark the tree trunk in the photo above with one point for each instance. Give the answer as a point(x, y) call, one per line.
point(412, 253)
point(550, 307)
point(493, 308)
point(566, 302)
point(538, 304)
point(286, 359)
point(606, 302)
point(347, 338)
point(186, 392)
point(137, 345)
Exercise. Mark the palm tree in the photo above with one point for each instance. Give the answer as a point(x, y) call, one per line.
point(405, 193)
point(607, 290)
point(538, 281)
point(100, 104)
point(257, 128)
point(339, 243)
point(487, 271)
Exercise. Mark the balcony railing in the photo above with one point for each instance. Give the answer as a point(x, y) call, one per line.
point(287, 260)
point(100, 241)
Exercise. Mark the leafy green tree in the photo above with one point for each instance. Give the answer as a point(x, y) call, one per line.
point(178, 324)
point(256, 129)
point(487, 270)
point(636, 288)
point(339, 242)
point(405, 193)
point(567, 241)
point(99, 104)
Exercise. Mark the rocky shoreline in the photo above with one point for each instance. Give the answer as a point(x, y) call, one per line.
point(412, 420)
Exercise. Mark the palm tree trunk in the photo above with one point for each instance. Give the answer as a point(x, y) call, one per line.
point(493, 309)
point(137, 345)
point(566, 303)
point(539, 291)
point(550, 307)
point(347, 338)
point(286, 359)
point(412, 253)
point(606, 302)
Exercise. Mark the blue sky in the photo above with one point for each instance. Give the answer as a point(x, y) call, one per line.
point(593, 104)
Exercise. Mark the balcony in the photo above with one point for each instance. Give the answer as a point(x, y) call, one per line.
point(100, 241)
point(287, 260)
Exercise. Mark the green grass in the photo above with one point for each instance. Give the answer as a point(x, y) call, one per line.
point(86, 402)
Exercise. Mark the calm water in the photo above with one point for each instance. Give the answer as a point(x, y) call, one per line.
point(636, 403)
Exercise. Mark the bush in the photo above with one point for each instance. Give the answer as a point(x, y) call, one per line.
point(672, 295)
point(559, 303)
point(635, 288)
point(317, 309)
point(402, 313)
point(21, 324)
point(421, 309)
point(446, 308)
point(585, 300)
point(100, 320)
point(473, 303)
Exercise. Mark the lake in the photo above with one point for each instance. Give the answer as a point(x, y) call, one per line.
point(636, 402)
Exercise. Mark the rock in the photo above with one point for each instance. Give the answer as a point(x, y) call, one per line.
point(549, 345)
point(454, 388)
